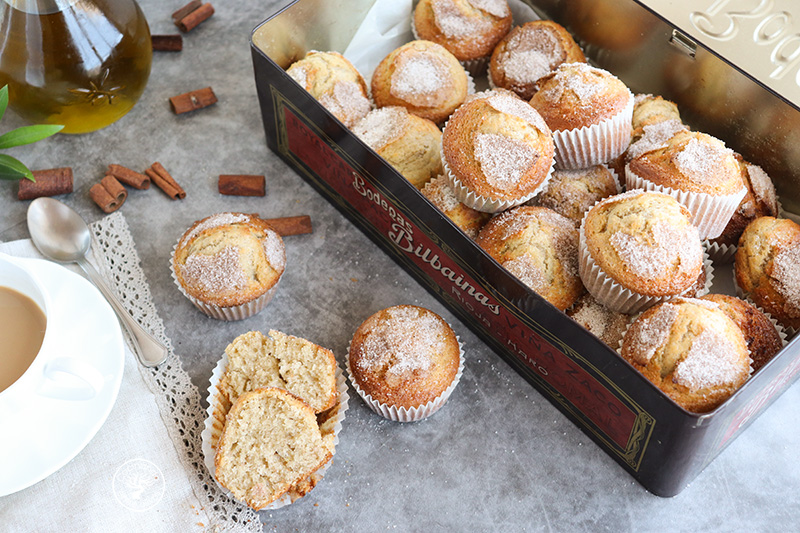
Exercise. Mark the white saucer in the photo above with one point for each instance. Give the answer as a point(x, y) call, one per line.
point(60, 429)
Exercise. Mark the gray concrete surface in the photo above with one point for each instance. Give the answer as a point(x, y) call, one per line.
point(498, 457)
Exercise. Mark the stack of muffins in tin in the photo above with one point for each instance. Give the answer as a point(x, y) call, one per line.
point(601, 201)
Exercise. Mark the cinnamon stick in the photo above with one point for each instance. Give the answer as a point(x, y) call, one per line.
point(185, 10)
point(129, 177)
point(164, 181)
point(109, 194)
point(286, 226)
point(193, 100)
point(167, 43)
point(49, 182)
point(242, 185)
point(192, 19)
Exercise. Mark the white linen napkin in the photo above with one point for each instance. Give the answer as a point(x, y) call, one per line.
point(138, 471)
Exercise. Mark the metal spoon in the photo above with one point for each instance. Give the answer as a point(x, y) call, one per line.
point(62, 235)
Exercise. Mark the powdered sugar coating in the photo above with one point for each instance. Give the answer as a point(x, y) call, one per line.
point(214, 221)
point(497, 8)
point(441, 194)
point(579, 79)
point(218, 273)
point(648, 256)
point(421, 79)
point(300, 75)
point(274, 251)
point(453, 23)
point(648, 335)
point(382, 126)
point(527, 272)
point(699, 160)
point(347, 102)
point(654, 136)
point(517, 108)
point(530, 53)
point(402, 344)
point(503, 160)
point(711, 361)
point(763, 188)
point(786, 271)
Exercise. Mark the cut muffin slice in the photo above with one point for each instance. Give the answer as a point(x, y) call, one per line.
point(271, 442)
point(283, 361)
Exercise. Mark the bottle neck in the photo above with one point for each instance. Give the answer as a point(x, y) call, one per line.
point(41, 7)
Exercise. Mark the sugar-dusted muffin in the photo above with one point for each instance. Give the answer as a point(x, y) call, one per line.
point(229, 264)
point(441, 194)
point(759, 201)
point(538, 246)
point(424, 78)
point(573, 192)
point(767, 267)
point(605, 324)
point(411, 144)
point(699, 171)
point(469, 29)
point(404, 361)
point(497, 152)
point(530, 52)
point(589, 111)
point(335, 83)
point(649, 110)
point(637, 248)
point(278, 360)
point(690, 350)
point(763, 339)
point(271, 442)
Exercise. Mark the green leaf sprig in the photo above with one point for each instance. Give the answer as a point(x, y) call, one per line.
point(12, 168)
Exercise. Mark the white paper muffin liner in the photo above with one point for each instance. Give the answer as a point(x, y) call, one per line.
point(215, 423)
point(595, 144)
point(230, 313)
point(710, 213)
point(613, 295)
point(403, 414)
point(720, 253)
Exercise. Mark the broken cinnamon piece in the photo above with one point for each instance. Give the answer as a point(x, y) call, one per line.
point(129, 177)
point(165, 181)
point(286, 226)
point(193, 100)
point(49, 182)
point(192, 19)
point(185, 10)
point(109, 194)
point(242, 185)
point(167, 43)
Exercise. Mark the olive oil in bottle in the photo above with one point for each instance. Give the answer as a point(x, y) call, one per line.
point(80, 63)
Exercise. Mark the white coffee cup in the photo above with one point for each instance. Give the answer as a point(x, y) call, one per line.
point(50, 374)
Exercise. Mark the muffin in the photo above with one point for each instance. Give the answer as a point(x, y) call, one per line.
point(538, 246)
point(270, 443)
point(530, 52)
point(335, 83)
point(699, 171)
point(441, 195)
point(589, 111)
point(411, 144)
point(763, 339)
point(229, 265)
point(404, 361)
point(573, 192)
point(767, 268)
point(468, 29)
point(690, 350)
point(602, 322)
point(638, 248)
point(278, 360)
point(424, 78)
point(497, 152)
point(760, 200)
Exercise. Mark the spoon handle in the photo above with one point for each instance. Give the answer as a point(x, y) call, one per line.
point(148, 350)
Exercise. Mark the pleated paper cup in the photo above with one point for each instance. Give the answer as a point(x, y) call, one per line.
point(617, 297)
point(710, 213)
point(595, 144)
point(218, 408)
point(405, 414)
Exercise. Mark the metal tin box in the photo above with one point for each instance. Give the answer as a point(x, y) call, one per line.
point(734, 74)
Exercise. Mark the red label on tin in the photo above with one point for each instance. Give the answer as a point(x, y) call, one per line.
point(549, 364)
